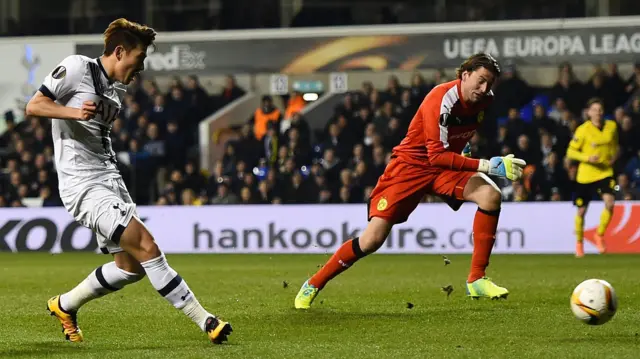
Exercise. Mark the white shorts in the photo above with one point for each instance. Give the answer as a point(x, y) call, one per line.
point(104, 207)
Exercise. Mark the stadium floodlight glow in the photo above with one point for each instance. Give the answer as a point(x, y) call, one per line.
point(310, 96)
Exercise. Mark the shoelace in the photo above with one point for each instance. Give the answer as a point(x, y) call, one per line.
point(70, 327)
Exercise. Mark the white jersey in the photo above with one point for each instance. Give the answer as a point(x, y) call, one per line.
point(82, 149)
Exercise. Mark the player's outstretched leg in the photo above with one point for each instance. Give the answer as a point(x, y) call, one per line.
point(347, 255)
point(481, 190)
point(105, 279)
point(605, 218)
point(138, 242)
point(579, 230)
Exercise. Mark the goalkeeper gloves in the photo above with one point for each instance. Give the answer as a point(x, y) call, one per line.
point(508, 167)
point(467, 150)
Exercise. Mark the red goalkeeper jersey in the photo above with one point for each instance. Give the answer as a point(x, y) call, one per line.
point(441, 128)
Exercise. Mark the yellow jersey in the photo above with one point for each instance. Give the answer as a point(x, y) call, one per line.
point(588, 141)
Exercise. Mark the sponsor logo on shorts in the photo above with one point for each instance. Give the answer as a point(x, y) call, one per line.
point(382, 204)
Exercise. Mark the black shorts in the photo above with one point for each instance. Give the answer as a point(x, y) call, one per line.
point(585, 192)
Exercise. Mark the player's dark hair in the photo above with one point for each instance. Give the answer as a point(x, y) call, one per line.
point(595, 100)
point(478, 61)
point(128, 34)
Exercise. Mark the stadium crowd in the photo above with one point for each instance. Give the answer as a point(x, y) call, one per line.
point(281, 160)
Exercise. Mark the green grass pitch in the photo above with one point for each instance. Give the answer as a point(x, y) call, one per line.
point(362, 314)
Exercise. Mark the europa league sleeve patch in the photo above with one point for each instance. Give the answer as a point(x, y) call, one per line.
point(59, 72)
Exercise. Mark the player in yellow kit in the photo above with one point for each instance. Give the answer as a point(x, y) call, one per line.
point(595, 146)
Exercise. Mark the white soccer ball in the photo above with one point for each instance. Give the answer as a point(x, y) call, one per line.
point(594, 302)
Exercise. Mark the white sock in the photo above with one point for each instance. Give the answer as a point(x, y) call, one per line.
point(103, 280)
point(173, 288)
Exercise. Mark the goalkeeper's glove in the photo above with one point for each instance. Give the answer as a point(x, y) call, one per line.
point(466, 151)
point(508, 166)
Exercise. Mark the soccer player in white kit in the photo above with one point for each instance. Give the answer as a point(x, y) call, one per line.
point(83, 96)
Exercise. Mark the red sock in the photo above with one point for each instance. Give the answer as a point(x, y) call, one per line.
point(485, 225)
point(342, 259)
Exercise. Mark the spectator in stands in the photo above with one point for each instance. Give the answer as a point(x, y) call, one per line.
point(525, 151)
point(237, 180)
point(393, 134)
point(407, 109)
point(297, 191)
point(569, 88)
point(379, 161)
point(48, 198)
point(158, 113)
point(5, 138)
point(298, 122)
point(188, 198)
point(557, 110)
point(175, 145)
point(230, 92)
point(514, 91)
point(337, 140)
point(615, 85)
point(246, 196)
point(540, 119)
point(142, 172)
point(375, 101)
point(418, 89)
point(383, 116)
point(155, 146)
point(625, 189)
point(632, 169)
point(347, 181)
point(197, 98)
point(224, 196)
point(193, 179)
point(394, 90)
point(347, 107)
point(265, 114)
point(596, 88)
point(515, 127)
point(264, 193)
point(248, 148)
point(295, 104)
point(271, 145)
point(633, 83)
point(298, 150)
point(553, 175)
point(628, 140)
point(364, 177)
point(618, 115)
point(634, 110)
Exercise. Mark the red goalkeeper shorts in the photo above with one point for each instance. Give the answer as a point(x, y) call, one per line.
point(402, 186)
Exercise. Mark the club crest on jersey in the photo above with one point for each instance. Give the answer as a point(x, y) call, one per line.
point(382, 204)
point(59, 72)
point(481, 117)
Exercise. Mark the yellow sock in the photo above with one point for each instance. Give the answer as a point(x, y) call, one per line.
point(605, 218)
point(579, 228)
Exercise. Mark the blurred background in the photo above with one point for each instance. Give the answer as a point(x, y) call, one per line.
point(287, 102)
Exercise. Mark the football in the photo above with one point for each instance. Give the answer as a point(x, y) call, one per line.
point(594, 302)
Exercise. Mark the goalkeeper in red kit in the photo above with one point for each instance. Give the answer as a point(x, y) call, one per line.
point(428, 161)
